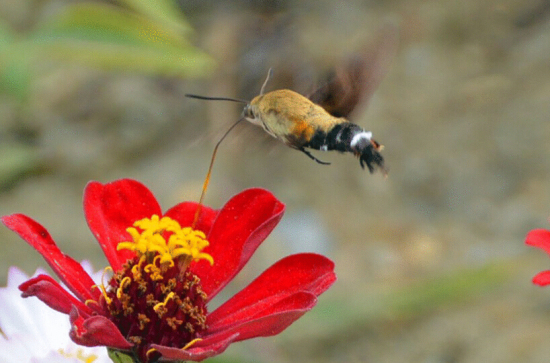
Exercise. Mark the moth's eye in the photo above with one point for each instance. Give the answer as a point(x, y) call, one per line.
point(247, 112)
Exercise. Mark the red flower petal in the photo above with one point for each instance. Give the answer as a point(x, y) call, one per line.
point(184, 213)
point(113, 207)
point(241, 226)
point(271, 321)
point(539, 238)
point(542, 278)
point(96, 330)
point(281, 315)
point(68, 270)
point(305, 272)
point(52, 294)
point(198, 351)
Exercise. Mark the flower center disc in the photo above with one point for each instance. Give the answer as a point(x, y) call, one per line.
point(153, 299)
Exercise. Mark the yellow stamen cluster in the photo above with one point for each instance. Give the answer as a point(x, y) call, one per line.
point(185, 243)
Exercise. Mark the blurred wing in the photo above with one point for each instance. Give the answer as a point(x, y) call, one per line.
point(352, 83)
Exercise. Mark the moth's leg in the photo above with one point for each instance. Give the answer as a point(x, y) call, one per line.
point(312, 157)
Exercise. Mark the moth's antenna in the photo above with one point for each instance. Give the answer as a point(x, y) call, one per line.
point(207, 179)
point(269, 75)
point(216, 98)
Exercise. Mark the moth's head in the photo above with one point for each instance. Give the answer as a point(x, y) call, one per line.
point(251, 111)
point(248, 113)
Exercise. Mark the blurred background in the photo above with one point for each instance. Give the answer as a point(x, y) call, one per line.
point(431, 260)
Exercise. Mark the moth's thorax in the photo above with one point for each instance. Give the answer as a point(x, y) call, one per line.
point(288, 104)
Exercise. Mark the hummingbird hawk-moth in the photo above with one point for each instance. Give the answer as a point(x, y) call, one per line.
point(320, 121)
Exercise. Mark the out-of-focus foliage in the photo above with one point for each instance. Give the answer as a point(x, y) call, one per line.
point(140, 36)
point(136, 35)
point(15, 160)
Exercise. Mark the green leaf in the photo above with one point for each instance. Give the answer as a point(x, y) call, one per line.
point(167, 61)
point(163, 11)
point(108, 23)
point(113, 38)
point(145, 36)
point(119, 357)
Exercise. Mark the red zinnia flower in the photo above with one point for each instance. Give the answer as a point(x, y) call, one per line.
point(540, 238)
point(165, 273)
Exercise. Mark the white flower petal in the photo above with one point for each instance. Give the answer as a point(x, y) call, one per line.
point(34, 333)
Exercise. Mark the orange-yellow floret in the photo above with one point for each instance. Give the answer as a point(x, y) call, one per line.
point(149, 239)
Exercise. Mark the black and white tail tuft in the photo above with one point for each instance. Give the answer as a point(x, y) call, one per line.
point(349, 137)
point(367, 150)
